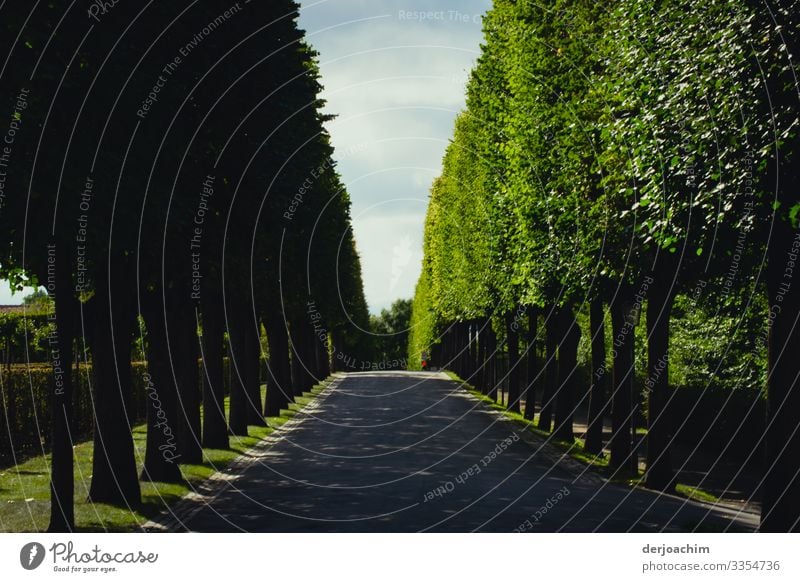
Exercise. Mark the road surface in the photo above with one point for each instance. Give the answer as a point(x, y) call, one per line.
point(410, 452)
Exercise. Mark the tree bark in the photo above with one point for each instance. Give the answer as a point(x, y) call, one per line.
point(550, 371)
point(161, 453)
point(238, 403)
point(279, 383)
point(532, 364)
point(302, 380)
point(184, 349)
point(62, 483)
point(660, 474)
point(215, 425)
point(252, 371)
point(491, 355)
point(597, 394)
point(567, 374)
point(512, 341)
point(114, 477)
point(480, 369)
point(781, 486)
point(622, 412)
point(321, 351)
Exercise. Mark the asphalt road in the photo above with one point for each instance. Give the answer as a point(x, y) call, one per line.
point(409, 452)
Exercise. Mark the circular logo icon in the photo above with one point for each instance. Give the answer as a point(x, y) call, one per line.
point(32, 555)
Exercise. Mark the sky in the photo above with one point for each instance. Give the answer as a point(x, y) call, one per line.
point(394, 73)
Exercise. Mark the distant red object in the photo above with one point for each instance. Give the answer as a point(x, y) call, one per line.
point(424, 365)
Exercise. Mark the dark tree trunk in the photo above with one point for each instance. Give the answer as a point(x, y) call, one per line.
point(463, 348)
point(491, 358)
point(480, 369)
point(62, 482)
point(183, 330)
point(336, 351)
point(312, 356)
point(238, 404)
point(622, 411)
point(279, 382)
point(512, 340)
point(161, 454)
point(781, 487)
point(597, 394)
point(252, 371)
point(458, 348)
point(302, 380)
point(114, 477)
point(323, 363)
point(455, 348)
point(445, 351)
point(476, 354)
point(471, 345)
point(659, 428)
point(215, 425)
point(550, 371)
point(532, 366)
point(567, 374)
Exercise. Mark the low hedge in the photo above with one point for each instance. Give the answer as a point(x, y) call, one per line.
point(25, 397)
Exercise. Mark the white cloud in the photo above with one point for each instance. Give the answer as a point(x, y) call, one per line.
point(396, 84)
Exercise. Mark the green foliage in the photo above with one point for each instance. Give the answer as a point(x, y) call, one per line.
point(390, 334)
point(39, 299)
point(601, 139)
point(24, 333)
point(422, 334)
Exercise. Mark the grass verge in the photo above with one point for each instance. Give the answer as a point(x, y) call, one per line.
point(25, 489)
point(577, 451)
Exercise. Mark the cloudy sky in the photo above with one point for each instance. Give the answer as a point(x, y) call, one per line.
point(394, 72)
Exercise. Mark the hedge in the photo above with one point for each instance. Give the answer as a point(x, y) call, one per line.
point(25, 414)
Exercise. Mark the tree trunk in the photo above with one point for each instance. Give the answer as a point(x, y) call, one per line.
point(301, 376)
point(659, 430)
point(532, 364)
point(161, 454)
point(471, 346)
point(183, 330)
point(445, 351)
point(62, 482)
point(463, 349)
point(480, 353)
point(781, 486)
point(215, 425)
point(252, 371)
point(279, 382)
point(336, 350)
point(114, 477)
point(512, 341)
point(238, 415)
point(314, 376)
point(550, 372)
point(491, 357)
point(597, 393)
point(321, 351)
point(567, 374)
point(622, 412)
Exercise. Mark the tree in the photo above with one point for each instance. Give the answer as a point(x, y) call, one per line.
point(391, 332)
